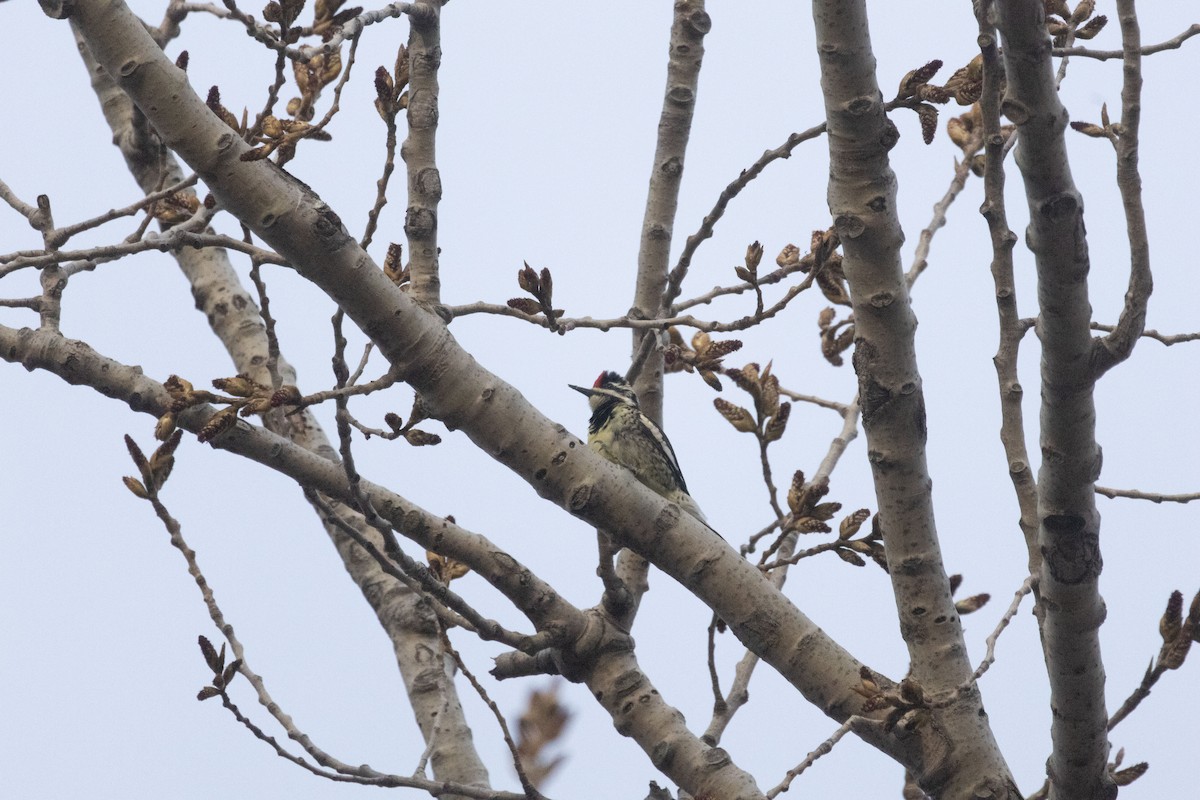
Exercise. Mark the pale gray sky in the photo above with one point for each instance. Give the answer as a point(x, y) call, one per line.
point(548, 117)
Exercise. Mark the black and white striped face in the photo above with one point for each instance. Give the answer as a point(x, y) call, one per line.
point(610, 387)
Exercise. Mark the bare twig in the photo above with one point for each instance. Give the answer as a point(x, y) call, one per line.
point(363, 360)
point(649, 345)
point(531, 791)
point(170, 240)
point(617, 599)
point(565, 324)
point(1012, 330)
point(259, 33)
point(33, 303)
point(1173, 43)
point(962, 171)
point(350, 390)
point(388, 89)
point(832, 405)
point(1167, 339)
point(59, 236)
point(20, 206)
point(334, 769)
point(343, 79)
point(705, 231)
point(1153, 497)
point(775, 276)
point(685, 320)
point(1027, 586)
point(726, 707)
point(354, 27)
point(1118, 345)
point(1061, 74)
point(408, 571)
point(824, 748)
point(264, 310)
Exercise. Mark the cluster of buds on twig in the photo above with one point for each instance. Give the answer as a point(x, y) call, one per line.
point(908, 703)
point(825, 264)
point(770, 417)
point(1124, 777)
point(249, 398)
point(836, 335)
point(282, 135)
point(704, 356)
point(965, 87)
point(966, 131)
point(541, 288)
point(1178, 632)
point(807, 514)
point(409, 433)
point(176, 207)
point(329, 17)
point(222, 673)
point(393, 266)
point(831, 279)
point(154, 470)
point(311, 77)
point(749, 273)
point(284, 14)
point(822, 251)
point(1107, 129)
point(968, 605)
point(1077, 24)
point(213, 101)
point(272, 134)
point(391, 88)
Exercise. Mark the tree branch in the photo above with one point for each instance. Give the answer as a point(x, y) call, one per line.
point(1012, 417)
point(1153, 497)
point(862, 201)
point(705, 231)
point(237, 321)
point(464, 395)
point(1118, 345)
point(1070, 608)
point(418, 151)
point(686, 51)
point(1173, 43)
point(1166, 339)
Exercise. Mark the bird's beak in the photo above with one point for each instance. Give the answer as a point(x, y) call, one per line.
point(581, 390)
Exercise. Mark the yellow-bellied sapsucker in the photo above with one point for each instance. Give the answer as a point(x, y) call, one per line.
point(619, 431)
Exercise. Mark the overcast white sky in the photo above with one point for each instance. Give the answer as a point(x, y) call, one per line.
point(548, 117)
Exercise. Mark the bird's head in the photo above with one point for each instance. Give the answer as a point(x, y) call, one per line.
point(609, 387)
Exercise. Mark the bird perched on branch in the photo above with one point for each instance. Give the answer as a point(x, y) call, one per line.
point(619, 431)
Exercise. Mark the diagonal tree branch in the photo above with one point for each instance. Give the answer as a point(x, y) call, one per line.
point(587, 647)
point(235, 320)
point(465, 396)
